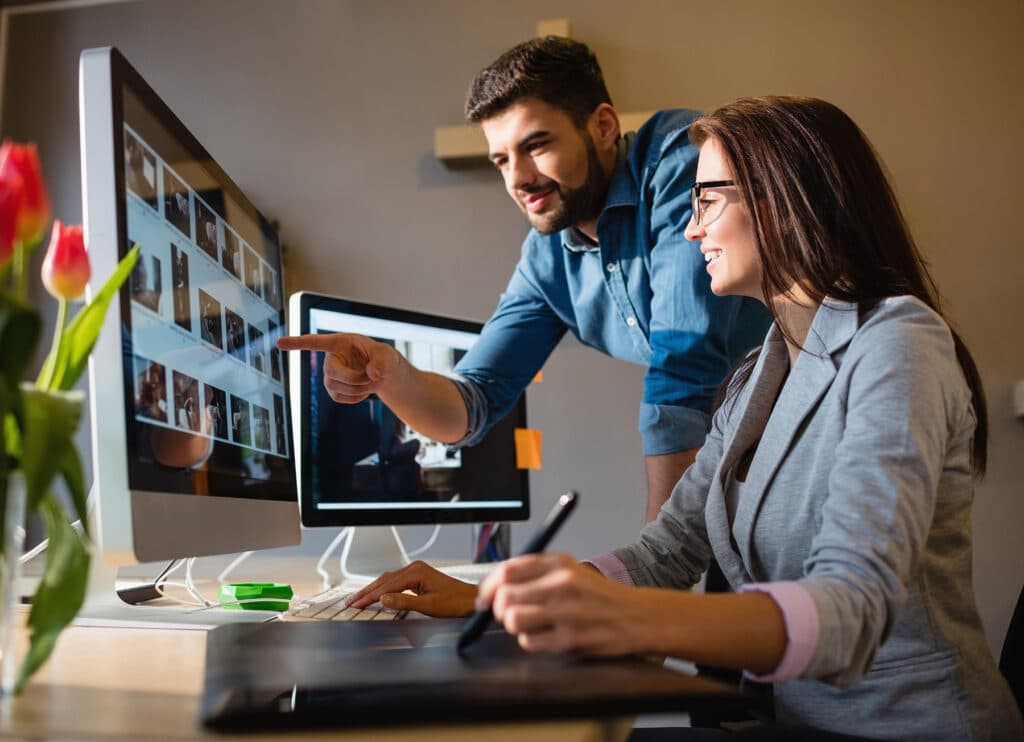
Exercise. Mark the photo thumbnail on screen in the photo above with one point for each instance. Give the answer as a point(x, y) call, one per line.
point(207, 391)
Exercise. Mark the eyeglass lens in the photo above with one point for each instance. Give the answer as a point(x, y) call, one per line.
point(707, 205)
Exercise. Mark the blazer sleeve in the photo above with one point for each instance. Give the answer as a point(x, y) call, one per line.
point(673, 550)
point(907, 405)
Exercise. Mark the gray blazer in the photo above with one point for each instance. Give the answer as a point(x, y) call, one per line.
point(860, 489)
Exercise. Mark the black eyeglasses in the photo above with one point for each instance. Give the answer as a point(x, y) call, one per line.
point(706, 211)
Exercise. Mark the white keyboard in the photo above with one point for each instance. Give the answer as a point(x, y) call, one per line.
point(330, 606)
point(470, 572)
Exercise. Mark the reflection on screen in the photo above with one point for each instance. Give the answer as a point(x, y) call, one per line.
point(365, 456)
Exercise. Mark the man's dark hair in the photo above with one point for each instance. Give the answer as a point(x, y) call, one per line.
point(559, 71)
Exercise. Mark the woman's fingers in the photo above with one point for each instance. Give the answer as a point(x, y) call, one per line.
point(519, 570)
point(436, 593)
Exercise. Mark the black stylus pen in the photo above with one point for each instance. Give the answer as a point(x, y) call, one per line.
point(479, 621)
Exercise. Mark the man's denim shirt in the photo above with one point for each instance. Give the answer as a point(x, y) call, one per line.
point(642, 295)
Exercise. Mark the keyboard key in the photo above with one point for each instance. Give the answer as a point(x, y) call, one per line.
point(308, 611)
point(348, 614)
point(330, 606)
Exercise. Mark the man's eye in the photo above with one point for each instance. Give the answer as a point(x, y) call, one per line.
point(534, 146)
point(499, 162)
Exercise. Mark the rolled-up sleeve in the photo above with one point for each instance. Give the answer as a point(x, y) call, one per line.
point(667, 428)
point(800, 615)
point(512, 348)
point(611, 567)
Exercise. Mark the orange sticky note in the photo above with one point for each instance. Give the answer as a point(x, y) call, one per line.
point(539, 377)
point(528, 448)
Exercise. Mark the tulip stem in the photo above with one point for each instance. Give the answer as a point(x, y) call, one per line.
point(58, 338)
point(18, 264)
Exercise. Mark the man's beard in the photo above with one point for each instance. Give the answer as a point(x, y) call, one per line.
point(575, 205)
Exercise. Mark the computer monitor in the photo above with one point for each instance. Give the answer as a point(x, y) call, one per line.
point(359, 465)
point(192, 446)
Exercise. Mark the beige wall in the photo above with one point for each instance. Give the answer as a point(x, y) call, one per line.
point(324, 111)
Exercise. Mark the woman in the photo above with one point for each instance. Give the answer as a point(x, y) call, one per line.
point(835, 486)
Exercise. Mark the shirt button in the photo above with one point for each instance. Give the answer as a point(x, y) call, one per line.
point(610, 267)
point(631, 321)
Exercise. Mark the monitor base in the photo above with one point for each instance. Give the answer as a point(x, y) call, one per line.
point(370, 551)
point(105, 606)
point(165, 616)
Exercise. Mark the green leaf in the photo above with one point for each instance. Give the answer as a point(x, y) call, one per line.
point(19, 333)
point(4, 464)
point(71, 470)
point(67, 363)
point(12, 433)
point(60, 593)
point(50, 421)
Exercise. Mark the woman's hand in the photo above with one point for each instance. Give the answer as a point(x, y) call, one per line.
point(435, 593)
point(552, 603)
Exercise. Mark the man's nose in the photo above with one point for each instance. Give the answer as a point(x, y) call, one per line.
point(521, 172)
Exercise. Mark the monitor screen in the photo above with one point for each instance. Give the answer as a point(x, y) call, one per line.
point(360, 465)
point(190, 406)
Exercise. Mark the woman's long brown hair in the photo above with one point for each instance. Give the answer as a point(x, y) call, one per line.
point(825, 214)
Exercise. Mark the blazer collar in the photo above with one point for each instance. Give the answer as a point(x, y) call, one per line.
point(775, 426)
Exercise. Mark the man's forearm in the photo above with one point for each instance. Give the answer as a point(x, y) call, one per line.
point(663, 471)
point(428, 403)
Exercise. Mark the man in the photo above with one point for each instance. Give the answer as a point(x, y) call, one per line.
point(605, 259)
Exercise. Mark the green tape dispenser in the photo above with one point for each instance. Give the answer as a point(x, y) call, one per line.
point(246, 596)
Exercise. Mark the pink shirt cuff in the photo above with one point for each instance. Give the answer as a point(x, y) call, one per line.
point(612, 568)
point(802, 627)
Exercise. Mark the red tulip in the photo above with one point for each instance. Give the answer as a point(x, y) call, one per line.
point(66, 265)
point(23, 160)
point(10, 204)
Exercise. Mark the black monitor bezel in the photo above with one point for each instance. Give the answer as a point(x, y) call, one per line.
point(314, 517)
point(283, 488)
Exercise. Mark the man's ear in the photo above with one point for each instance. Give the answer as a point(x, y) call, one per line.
point(604, 126)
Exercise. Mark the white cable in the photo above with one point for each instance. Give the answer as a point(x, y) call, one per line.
point(162, 585)
point(90, 502)
point(433, 536)
point(41, 546)
point(191, 586)
point(207, 605)
point(321, 570)
point(163, 580)
point(32, 553)
point(430, 542)
point(265, 599)
point(170, 569)
point(234, 563)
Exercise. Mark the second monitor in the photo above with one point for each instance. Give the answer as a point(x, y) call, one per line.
point(359, 465)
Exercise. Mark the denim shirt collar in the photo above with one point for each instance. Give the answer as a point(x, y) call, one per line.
point(622, 191)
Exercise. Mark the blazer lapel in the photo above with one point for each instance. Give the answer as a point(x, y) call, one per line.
point(753, 406)
point(834, 325)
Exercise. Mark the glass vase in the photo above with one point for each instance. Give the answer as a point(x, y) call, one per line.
point(12, 541)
